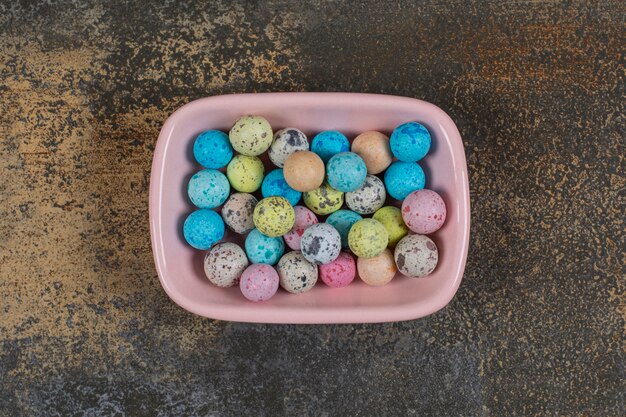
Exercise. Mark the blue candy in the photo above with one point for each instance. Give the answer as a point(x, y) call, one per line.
point(212, 149)
point(208, 188)
point(263, 249)
point(410, 142)
point(346, 171)
point(342, 220)
point(203, 228)
point(328, 143)
point(402, 178)
point(274, 184)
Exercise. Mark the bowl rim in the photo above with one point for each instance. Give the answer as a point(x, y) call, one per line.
point(361, 314)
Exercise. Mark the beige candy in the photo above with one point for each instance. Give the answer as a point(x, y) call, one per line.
point(378, 270)
point(304, 171)
point(374, 148)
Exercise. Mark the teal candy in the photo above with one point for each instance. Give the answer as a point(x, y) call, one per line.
point(402, 178)
point(274, 184)
point(410, 142)
point(203, 228)
point(342, 220)
point(208, 188)
point(328, 143)
point(263, 249)
point(212, 149)
point(346, 171)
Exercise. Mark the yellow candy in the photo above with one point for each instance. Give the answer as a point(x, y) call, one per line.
point(323, 200)
point(368, 238)
point(245, 173)
point(251, 135)
point(274, 216)
point(391, 218)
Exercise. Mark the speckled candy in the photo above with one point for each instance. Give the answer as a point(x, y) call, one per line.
point(212, 149)
point(237, 212)
point(274, 184)
point(304, 171)
point(391, 218)
point(346, 171)
point(378, 270)
point(224, 264)
point(274, 216)
point(324, 200)
point(304, 219)
point(342, 220)
point(203, 228)
point(251, 135)
point(369, 197)
point(208, 188)
point(259, 282)
point(287, 141)
point(245, 173)
point(368, 238)
point(402, 178)
point(328, 143)
point(373, 147)
point(297, 275)
point(416, 256)
point(340, 272)
point(424, 211)
point(410, 142)
point(263, 249)
point(321, 243)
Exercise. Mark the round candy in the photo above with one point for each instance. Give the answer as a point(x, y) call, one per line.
point(424, 211)
point(304, 171)
point(369, 197)
point(368, 238)
point(402, 178)
point(304, 219)
point(245, 173)
point(410, 142)
point(373, 147)
point(263, 249)
point(321, 243)
point(274, 184)
point(237, 212)
point(346, 171)
point(212, 149)
point(324, 200)
point(378, 270)
point(391, 218)
point(339, 272)
point(328, 143)
point(208, 188)
point(342, 220)
point(274, 216)
point(224, 264)
point(259, 282)
point(296, 274)
point(416, 256)
point(286, 142)
point(251, 135)
point(203, 228)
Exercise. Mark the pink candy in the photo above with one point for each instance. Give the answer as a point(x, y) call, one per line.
point(339, 272)
point(259, 282)
point(304, 219)
point(424, 211)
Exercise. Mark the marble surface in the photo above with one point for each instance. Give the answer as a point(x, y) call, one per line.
point(537, 91)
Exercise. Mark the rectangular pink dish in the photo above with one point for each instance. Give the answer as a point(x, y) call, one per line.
point(180, 267)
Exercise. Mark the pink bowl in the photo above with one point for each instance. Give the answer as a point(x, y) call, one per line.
point(180, 267)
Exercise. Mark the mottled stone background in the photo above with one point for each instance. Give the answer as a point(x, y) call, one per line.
point(537, 90)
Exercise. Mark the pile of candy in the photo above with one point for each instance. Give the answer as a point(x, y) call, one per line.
point(324, 175)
